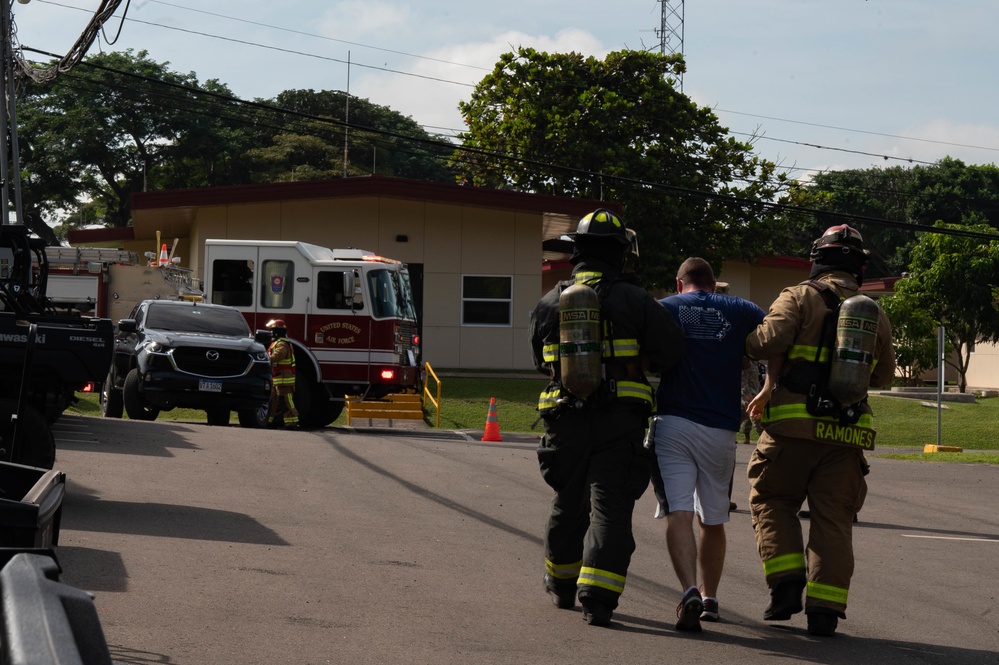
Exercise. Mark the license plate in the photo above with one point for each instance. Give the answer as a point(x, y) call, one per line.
point(210, 386)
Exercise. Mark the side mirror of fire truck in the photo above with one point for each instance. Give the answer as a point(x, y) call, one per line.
point(352, 289)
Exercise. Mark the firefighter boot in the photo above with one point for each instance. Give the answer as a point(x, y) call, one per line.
point(822, 621)
point(785, 599)
point(595, 613)
point(563, 595)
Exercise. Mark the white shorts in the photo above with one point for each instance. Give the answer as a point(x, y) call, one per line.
point(696, 464)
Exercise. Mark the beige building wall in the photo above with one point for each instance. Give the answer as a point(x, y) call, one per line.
point(983, 368)
point(449, 240)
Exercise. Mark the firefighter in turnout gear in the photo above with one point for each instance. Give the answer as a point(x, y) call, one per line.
point(592, 453)
point(812, 447)
point(282, 355)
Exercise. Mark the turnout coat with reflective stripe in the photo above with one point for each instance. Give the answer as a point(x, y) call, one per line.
point(793, 327)
point(638, 335)
point(282, 356)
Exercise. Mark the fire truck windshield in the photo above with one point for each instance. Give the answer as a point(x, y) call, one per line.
point(391, 296)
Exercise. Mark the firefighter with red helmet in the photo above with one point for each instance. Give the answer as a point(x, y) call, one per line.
point(282, 355)
point(592, 336)
point(814, 438)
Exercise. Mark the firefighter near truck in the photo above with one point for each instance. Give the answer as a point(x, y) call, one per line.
point(350, 316)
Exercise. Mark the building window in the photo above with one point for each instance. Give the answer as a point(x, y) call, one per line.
point(486, 300)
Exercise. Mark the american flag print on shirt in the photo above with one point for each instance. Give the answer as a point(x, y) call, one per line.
point(703, 323)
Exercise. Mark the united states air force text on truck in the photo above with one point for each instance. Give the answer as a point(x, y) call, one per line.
point(350, 316)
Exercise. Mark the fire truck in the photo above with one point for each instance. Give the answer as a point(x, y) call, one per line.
point(350, 315)
point(108, 283)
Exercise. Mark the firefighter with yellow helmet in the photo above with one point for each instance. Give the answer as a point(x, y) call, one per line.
point(592, 336)
point(282, 355)
point(830, 344)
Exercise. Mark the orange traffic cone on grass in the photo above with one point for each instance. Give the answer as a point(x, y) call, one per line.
point(492, 432)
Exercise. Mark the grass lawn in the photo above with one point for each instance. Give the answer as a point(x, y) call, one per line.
point(900, 422)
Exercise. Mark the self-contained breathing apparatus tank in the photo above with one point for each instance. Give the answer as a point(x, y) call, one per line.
point(579, 340)
point(853, 353)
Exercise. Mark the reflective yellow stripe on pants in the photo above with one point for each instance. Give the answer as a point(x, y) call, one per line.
point(827, 592)
point(602, 578)
point(563, 571)
point(784, 563)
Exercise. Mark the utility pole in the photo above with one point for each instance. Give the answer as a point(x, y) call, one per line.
point(10, 163)
point(670, 31)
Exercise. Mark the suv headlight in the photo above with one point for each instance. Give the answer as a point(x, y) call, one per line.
point(156, 347)
point(260, 356)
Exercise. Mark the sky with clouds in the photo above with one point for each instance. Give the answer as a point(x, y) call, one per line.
point(822, 84)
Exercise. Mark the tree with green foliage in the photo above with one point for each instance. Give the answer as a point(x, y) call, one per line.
point(914, 336)
point(121, 122)
point(111, 127)
point(306, 140)
point(954, 279)
point(949, 190)
point(618, 130)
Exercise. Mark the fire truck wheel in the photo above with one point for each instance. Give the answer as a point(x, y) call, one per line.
point(254, 418)
point(35, 445)
point(135, 407)
point(315, 408)
point(218, 417)
point(112, 405)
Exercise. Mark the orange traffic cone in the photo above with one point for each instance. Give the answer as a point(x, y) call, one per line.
point(164, 258)
point(492, 432)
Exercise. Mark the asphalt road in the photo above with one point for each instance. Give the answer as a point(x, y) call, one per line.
point(225, 545)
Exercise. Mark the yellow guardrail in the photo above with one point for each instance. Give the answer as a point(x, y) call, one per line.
point(428, 397)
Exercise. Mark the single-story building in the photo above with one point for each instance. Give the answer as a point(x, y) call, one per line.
point(453, 237)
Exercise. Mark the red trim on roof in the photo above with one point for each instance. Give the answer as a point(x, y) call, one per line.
point(886, 284)
point(785, 262)
point(555, 265)
point(82, 237)
point(372, 185)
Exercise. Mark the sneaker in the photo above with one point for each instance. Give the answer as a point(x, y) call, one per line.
point(785, 599)
point(710, 611)
point(563, 595)
point(822, 624)
point(595, 612)
point(688, 612)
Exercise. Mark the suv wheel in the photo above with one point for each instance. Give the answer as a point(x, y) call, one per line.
point(218, 416)
point(111, 402)
point(135, 407)
point(255, 418)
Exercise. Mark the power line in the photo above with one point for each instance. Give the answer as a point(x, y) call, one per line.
point(860, 131)
point(287, 50)
point(309, 34)
point(541, 166)
point(459, 83)
point(910, 160)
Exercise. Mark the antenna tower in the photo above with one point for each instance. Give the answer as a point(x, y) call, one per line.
point(671, 30)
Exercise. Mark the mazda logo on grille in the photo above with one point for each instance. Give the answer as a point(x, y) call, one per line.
point(212, 355)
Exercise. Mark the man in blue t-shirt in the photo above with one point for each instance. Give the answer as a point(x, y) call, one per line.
point(698, 412)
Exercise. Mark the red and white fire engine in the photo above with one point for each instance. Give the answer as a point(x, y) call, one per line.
point(350, 315)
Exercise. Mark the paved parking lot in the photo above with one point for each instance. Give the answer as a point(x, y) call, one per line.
point(224, 545)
